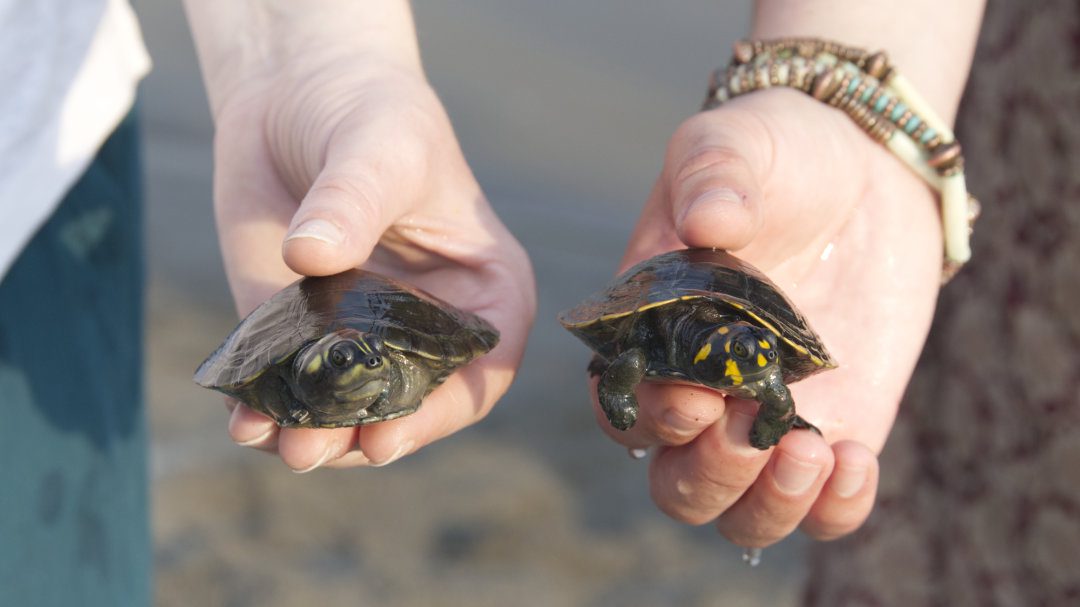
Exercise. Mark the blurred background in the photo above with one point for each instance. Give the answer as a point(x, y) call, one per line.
point(563, 109)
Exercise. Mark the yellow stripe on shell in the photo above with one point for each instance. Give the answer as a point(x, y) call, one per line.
point(798, 348)
point(615, 315)
point(703, 353)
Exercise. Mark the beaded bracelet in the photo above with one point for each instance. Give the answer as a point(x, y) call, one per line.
point(879, 100)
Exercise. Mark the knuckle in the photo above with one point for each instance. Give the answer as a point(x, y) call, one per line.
point(740, 535)
point(696, 497)
point(829, 530)
point(704, 158)
point(352, 197)
point(677, 501)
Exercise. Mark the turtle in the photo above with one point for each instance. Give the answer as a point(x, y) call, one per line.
point(705, 317)
point(344, 350)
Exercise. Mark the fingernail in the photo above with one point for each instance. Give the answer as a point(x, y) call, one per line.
point(251, 442)
point(317, 229)
point(847, 481)
point(793, 476)
point(330, 449)
point(402, 450)
point(682, 424)
point(716, 197)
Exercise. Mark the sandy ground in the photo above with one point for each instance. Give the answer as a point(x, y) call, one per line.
point(563, 109)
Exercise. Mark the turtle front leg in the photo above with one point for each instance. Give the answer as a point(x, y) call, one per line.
point(616, 388)
point(776, 416)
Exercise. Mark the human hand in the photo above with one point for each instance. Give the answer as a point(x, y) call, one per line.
point(322, 167)
point(853, 238)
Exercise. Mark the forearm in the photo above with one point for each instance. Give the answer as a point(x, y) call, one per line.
point(930, 41)
point(238, 40)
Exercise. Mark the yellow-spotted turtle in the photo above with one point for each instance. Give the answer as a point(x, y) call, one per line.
point(699, 316)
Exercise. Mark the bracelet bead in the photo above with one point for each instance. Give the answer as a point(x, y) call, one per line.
point(867, 88)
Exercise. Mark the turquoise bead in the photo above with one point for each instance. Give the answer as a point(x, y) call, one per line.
point(854, 85)
point(927, 135)
point(897, 112)
point(912, 124)
point(867, 94)
point(881, 103)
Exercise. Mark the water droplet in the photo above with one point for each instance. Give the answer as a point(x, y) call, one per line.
point(752, 556)
point(638, 453)
point(827, 251)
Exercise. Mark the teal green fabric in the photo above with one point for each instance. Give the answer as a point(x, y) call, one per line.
point(73, 458)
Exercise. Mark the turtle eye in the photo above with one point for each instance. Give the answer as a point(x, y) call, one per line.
point(373, 362)
point(342, 354)
point(738, 348)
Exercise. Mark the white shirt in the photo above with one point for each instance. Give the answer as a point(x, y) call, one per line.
point(69, 70)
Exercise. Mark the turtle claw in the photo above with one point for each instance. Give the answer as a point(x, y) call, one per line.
point(802, 424)
point(766, 433)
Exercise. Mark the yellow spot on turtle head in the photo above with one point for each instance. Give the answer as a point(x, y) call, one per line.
point(313, 367)
point(732, 370)
point(723, 330)
point(727, 347)
point(703, 353)
point(761, 362)
point(764, 344)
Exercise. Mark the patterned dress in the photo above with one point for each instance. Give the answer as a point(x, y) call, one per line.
point(980, 491)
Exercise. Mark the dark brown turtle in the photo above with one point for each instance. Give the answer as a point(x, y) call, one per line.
point(699, 316)
point(343, 350)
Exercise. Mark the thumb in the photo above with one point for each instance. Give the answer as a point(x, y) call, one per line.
point(712, 174)
point(358, 195)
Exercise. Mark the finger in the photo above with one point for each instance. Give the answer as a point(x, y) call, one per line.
point(249, 428)
point(252, 209)
point(713, 173)
point(696, 482)
point(848, 496)
point(781, 497)
point(668, 415)
point(352, 459)
point(369, 181)
point(305, 449)
point(463, 399)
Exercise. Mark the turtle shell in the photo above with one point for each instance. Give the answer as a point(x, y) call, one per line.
point(668, 280)
point(406, 318)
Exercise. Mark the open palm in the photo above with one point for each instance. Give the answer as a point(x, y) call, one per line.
point(853, 238)
point(361, 168)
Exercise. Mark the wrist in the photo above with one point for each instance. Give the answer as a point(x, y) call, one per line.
point(239, 43)
point(931, 43)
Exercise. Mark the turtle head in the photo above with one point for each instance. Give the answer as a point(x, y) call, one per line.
point(736, 354)
point(344, 369)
